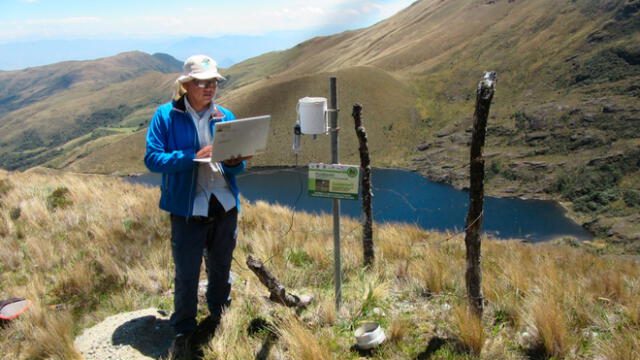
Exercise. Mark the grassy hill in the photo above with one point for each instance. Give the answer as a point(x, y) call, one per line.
point(279, 98)
point(564, 123)
point(45, 110)
point(84, 247)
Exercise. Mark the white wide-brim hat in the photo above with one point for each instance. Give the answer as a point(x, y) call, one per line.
point(199, 67)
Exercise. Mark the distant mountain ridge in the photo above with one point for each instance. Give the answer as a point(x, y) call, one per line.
point(23, 87)
point(564, 123)
point(227, 50)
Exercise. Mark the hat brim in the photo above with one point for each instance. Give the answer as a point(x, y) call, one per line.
point(202, 76)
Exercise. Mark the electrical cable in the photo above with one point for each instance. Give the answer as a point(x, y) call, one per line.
point(293, 209)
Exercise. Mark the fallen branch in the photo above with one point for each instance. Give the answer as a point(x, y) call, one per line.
point(278, 292)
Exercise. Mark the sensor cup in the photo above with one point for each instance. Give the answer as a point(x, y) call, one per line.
point(369, 335)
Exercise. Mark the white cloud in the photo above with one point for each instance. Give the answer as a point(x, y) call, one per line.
point(164, 21)
point(224, 18)
point(63, 21)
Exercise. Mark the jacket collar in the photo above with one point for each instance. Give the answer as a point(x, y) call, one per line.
point(180, 105)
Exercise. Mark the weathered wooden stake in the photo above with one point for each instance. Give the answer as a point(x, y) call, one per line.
point(278, 292)
point(473, 275)
point(367, 192)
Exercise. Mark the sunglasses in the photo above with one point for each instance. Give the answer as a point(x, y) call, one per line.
point(203, 84)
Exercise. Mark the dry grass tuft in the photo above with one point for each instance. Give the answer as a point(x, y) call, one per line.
point(609, 285)
point(231, 340)
point(551, 327)
point(375, 291)
point(50, 335)
point(632, 311)
point(76, 284)
point(398, 329)
point(469, 329)
point(623, 345)
point(434, 270)
point(326, 312)
point(301, 342)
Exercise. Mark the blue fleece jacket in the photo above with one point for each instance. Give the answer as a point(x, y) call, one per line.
point(172, 144)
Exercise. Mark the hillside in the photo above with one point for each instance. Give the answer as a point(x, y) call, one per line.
point(42, 109)
point(564, 123)
point(85, 247)
point(566, 115)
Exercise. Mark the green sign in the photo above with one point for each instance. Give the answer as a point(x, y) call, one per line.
point(334, 181)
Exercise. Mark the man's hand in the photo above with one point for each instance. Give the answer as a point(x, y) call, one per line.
point(205, 152)
point(236, 160)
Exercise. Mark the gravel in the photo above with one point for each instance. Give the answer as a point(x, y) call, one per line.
point(143, 334)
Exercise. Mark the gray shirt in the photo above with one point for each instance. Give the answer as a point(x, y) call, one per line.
point(210, 180)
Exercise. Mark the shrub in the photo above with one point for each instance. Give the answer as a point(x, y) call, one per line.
point(592, 188)
point(495, 168)
point(631, 197)
point(5, 187)
point(14, 213)
point(608, 65)
point(59, 199)
point(521, 120)
point(596, 201)
point(299, 258)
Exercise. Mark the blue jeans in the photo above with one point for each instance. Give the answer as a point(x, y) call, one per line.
point(214, 238)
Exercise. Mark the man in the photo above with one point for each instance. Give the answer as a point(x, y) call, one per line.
point(202, 197)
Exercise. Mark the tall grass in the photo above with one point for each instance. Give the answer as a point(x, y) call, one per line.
point(622, 345)
point(551, 327)
point(107, 251)
point(302, 342)
point(469, 329)
point(81, 256)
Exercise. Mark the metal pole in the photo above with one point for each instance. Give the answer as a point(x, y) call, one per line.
point(336, 202)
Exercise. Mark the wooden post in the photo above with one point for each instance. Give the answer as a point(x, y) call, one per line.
point(367, 192)
point(335, 159)
point(473, 274)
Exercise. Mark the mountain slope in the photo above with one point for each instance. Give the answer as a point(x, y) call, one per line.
point(390, 99)
point(45, 107)
point(564, 123)
point(566, 115)
point(23, 87)
point(433, 33)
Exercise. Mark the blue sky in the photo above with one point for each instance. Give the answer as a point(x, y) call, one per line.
point(85, 19)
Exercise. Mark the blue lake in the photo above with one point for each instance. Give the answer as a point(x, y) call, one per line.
point(405, 196)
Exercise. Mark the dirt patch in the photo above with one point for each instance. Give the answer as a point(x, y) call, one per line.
point(143, 334)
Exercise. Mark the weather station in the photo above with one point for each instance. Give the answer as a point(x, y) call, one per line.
point(334, 181)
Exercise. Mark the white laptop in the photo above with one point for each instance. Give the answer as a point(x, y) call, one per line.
point(239, 138)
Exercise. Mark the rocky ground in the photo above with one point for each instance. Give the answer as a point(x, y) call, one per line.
point(138, 335)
